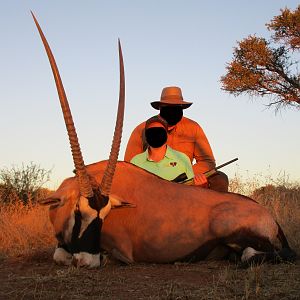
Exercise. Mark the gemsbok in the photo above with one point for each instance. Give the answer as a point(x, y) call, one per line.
point(161, 221)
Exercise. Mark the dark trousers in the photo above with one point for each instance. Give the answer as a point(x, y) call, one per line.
point(218, 182)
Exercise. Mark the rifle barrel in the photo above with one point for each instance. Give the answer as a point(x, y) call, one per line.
point(210, 172)
point(227, 163)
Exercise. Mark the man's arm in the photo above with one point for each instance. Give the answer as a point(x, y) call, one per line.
point(135, 143)
point(202, 153)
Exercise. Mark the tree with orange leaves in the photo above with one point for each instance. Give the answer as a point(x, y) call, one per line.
point(263, 67)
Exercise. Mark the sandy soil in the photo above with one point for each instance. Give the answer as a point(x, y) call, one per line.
point(37, 277)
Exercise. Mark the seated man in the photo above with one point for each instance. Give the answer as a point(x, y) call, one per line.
point(184, 135)
point(161, 159)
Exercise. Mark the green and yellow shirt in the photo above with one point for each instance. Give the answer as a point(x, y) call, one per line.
point(172, 165)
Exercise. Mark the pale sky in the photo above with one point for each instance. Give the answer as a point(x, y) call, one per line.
point(183, 43)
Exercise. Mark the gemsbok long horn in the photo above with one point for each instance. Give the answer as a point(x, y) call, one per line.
point(83, 179)
point(107, 178)
point(81, 173)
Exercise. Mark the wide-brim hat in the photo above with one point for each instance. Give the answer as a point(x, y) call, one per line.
point(172, 96)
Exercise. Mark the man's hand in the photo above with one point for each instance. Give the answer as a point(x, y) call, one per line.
point(200, 180)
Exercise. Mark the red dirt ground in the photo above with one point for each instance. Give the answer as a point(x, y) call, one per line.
point(37, 277)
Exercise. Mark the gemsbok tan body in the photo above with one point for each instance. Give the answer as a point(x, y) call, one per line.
point(154, 220)
point(171, 221)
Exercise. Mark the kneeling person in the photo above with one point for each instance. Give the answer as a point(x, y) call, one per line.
point(161, 159)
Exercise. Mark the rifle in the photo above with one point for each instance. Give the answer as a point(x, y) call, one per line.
point(214, 170)
point(182, 178)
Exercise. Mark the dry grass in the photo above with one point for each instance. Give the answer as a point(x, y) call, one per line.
point(24, 230)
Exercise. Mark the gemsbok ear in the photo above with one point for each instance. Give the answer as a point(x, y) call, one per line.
point(49, 201)
point(117, 202)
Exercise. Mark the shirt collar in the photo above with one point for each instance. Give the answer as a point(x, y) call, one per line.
point(168, 154)
point(174, 128)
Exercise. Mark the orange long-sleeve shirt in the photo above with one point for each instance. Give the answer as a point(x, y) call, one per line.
point(187, 136)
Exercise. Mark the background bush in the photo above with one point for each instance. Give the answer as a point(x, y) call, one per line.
point(23, 183)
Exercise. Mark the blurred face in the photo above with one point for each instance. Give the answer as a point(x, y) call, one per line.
point(156, 135)
point(172, 114)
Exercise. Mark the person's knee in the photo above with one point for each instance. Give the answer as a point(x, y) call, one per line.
point(219, 182)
